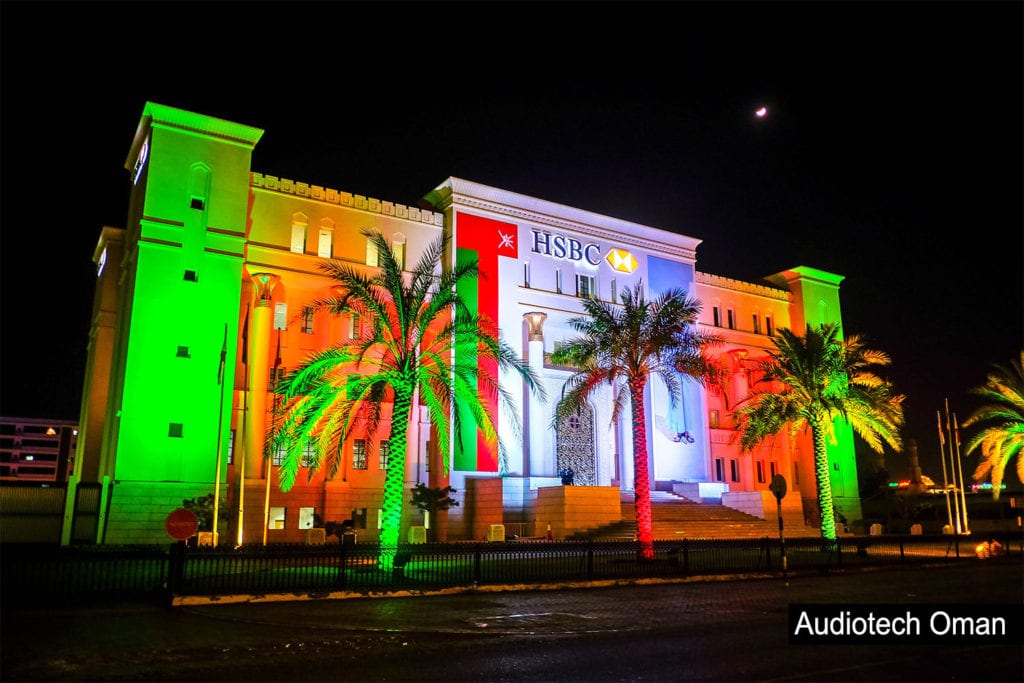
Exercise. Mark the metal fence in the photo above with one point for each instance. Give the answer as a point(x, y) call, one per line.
point(39, 575)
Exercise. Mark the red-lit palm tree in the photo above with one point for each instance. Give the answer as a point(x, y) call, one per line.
point(622, 345)
point(414, 320)
point(810, 381)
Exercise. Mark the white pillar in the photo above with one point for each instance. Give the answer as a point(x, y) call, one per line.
point(542, 463)
point(259, 374)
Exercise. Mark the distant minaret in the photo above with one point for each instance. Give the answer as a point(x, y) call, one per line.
point(916, 485)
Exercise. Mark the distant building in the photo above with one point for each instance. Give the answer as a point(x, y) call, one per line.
point(36, 451)
point(201, 303)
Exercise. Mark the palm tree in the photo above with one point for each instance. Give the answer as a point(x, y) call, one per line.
point(811, 381)
point(414, 322)
point(623, 346)
point(1003, 438)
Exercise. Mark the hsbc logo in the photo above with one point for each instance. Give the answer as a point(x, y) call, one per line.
point(571, 249)
point(621, 260)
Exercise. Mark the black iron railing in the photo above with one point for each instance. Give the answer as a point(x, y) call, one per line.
point(34, 574)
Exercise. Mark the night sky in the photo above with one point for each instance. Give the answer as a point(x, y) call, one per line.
point(891, 153)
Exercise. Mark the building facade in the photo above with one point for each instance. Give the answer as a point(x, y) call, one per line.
point(203, 303)
point(36, 451)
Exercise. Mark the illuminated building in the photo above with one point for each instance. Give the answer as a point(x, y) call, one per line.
point(201, 306)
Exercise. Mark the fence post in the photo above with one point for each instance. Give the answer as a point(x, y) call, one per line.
point(766, 544)
point(902, 555)
point(686, 556)
point(176, 569)
point(590, 559)
point(477, 572)
point(342, 561)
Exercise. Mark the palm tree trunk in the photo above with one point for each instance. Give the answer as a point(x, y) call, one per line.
point(394, 480)
point(641, 474)
point(825, 506)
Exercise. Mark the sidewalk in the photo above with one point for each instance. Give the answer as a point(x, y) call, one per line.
point(133, 642)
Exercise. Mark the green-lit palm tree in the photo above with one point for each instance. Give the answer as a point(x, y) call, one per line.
point(810, 381)
point(413, 322)
point(1003, 438)
point(623, 345)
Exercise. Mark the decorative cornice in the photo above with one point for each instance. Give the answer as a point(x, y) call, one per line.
point(745, 287)
point(159, 114)
point(355, 201)
point(463, 193)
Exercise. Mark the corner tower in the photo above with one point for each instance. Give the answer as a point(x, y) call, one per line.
point(174, 347)
point(816, 301)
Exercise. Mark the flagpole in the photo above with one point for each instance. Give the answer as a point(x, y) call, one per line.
point(245, 418)
point(945, 481)
point(952, 471)
point(960, 467)
point(220, 433)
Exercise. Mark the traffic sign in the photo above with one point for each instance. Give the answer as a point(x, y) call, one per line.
point(778, 486)
point(182, 524)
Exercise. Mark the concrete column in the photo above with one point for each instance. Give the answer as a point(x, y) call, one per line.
point(542, 463)
point(259, 374)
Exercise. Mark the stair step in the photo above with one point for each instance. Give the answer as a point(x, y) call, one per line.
point(674, 517)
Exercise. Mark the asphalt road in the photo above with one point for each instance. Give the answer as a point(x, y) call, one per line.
point(714, 629)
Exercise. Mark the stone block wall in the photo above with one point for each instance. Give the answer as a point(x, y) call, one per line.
point(569, 509)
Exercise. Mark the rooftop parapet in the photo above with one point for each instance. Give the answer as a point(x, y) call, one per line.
point(355, 201)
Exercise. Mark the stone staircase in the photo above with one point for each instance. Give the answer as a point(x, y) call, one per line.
point(677, 517)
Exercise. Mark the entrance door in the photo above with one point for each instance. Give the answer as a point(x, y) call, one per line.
point(575, 446)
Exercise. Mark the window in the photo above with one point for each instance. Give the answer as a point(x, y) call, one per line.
point(231, 447)
point(359, 454)
point(526, 275)
point(734, 469)
point(398, 249)
point(614, 293)
point(773, 468)
point(176, 430)
point(586, 286)
point(385, 454)
point(760, 471)
point(275, 520)
point(757, 324)
point(298, 238)
point(372, 258)
point(354, 332)
point(307, 320)
point(281, 316)
point(769, 329)
point(558, 280)
point(323, 246)
point(307, 455)
point(731, 313)
point(717, 313)
point(713, 419)
point(307, 517)
point(719, 469)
